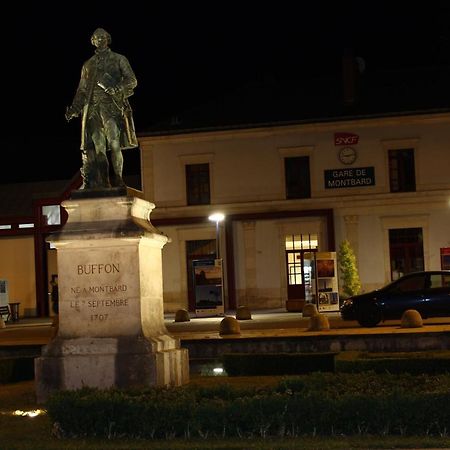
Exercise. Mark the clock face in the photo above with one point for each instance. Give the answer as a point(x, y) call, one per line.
point(347, 155)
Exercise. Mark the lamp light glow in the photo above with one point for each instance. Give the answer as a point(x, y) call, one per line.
point(32, 413)
point(216, 217)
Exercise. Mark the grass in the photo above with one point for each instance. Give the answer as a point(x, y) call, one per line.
point(24, 433)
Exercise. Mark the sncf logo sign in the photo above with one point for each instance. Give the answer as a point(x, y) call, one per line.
point(345, 139)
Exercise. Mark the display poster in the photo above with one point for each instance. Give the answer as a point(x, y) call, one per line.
point(4, 298)
point(208, 287)
point(327, 282)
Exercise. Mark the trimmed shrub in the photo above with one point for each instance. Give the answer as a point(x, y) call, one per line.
point(368, 383)
point(324, 404)
point(396, 365)
point(350, 282)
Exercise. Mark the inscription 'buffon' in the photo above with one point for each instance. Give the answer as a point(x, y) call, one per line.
point(92, 269)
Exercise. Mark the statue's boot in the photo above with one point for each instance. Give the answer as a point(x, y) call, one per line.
point(88, 170)
point(117, 180)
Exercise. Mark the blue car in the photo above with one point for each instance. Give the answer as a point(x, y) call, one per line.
point(427, 292)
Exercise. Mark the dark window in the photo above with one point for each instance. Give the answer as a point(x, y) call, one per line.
point(202, 248)
point(197, 184)
point(406, 251)
point(401, 170)
point(296, 170)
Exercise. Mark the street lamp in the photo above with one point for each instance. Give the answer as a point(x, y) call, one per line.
point(217, 217)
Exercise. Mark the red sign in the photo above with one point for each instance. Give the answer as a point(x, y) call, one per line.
point(345, 139)
point(445, 258)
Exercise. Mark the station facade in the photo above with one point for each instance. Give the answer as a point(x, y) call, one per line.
point(289, 192)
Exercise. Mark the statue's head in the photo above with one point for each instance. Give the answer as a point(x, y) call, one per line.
point(100, 32)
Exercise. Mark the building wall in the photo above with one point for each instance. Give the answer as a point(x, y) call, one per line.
point(247, 177)
point(174, 262)
point(17, 266)
point(260, 154)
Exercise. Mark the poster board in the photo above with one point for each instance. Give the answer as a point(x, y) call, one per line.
point(4, 295)
point(208, 287)
point(327, 295)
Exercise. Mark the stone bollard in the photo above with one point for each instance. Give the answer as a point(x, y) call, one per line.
point(229, 325)
point(411, 319)
point(243, 313)
point(310, 310)
point(319, 322)
point(182, 315)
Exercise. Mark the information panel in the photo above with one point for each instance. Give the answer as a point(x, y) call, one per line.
point(4, 298)
point(208, 287)
point(327, 282)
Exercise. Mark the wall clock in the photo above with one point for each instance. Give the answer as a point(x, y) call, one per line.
point(347, 155)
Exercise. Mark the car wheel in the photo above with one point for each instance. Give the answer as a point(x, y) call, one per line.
point(369, 316)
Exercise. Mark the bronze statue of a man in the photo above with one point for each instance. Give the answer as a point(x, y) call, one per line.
point(107, 81)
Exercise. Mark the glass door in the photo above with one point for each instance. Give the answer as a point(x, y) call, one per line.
point(296, 287)
point(299, 265)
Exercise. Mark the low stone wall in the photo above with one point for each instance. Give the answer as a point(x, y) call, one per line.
point(405, 342)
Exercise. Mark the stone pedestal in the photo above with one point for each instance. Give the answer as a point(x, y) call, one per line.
point(111, 320)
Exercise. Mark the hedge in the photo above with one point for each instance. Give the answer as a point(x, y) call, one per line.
point(308, 405)
point(396, 365)
point(243, 364)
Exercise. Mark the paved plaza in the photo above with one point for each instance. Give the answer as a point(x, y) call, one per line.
point(275, 323)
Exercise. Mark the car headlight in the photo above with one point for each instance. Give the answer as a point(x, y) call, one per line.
point(348, 302)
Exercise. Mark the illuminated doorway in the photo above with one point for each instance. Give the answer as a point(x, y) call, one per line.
point(300, 249)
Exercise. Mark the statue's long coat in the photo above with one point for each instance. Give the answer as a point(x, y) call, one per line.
point(114, 72)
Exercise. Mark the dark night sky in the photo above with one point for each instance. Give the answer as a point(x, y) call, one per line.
point(185, 53)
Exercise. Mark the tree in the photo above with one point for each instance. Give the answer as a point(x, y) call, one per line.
point(351, 285)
